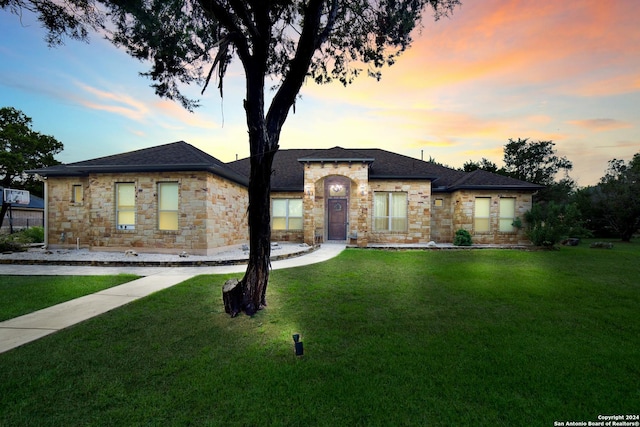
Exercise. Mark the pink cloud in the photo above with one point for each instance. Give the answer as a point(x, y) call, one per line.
point(601, 124)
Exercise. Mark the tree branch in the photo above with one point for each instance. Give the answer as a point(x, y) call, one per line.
point(307, 45)
point(216, 11)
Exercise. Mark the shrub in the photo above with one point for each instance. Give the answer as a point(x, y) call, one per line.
point(548, 224)
point(34, 234)
point(462, 238)
point(15, 242)
point(7, 244)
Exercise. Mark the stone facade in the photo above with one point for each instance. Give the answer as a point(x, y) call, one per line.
point(212, 213)
point(462, 208)
point(317, 176)
point(418, 212)
point(341, 191)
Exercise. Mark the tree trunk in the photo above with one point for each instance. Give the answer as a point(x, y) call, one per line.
point(256, 277)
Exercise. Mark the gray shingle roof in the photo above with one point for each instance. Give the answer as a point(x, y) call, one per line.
point(288, 167)
point(176, 156)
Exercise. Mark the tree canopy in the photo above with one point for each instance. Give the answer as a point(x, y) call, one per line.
point(22, 149)
point(617, 197)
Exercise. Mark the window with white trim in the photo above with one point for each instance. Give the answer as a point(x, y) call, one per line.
point(507, 214)
point(286, 214)
point(125, 206)
point(482, 208)
point(168, 206)
point(390, 211)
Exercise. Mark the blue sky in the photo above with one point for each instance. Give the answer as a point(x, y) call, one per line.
point(497, 69)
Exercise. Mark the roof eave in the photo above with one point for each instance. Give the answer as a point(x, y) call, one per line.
point(197, 167)
point(335, 160)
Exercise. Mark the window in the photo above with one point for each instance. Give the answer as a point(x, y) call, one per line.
point(507, 214)
point(76, 193)
point(287, 214)
point(168, 206)
point(481, 218)
point(125, 206)
point(438, 203)
point(390, 211)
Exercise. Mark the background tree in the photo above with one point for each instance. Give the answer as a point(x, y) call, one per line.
point(615, 201)
point(538, 163)
point(484, 164)
point(277, 41)
point(22, 149)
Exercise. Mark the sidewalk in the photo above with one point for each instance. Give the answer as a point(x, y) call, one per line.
point(21, 330)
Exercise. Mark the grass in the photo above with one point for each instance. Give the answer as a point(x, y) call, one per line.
point(484, 337)
point(25, 294)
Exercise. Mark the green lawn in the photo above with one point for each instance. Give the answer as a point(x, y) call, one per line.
point(483, 337)
point(25, 294)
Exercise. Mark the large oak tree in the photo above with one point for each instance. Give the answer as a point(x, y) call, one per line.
point(22, 149)
point(279, 43)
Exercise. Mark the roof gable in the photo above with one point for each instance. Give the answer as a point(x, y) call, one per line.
point(175, 153)
point(176, 156)
point(336, 154)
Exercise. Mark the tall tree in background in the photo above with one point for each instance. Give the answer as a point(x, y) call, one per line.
point(277, 41)
point(484, 164)
point(538, 163)
point(616, 199)
point(22, 149)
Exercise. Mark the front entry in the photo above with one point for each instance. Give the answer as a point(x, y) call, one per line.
point(337, 219)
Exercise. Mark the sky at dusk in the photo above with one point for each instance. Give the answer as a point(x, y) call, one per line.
point(496, 69)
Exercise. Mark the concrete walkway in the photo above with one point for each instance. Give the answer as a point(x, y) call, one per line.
point(21, 330)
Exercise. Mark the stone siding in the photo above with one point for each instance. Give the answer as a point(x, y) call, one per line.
point(315, 198)
point(212, 213)
point(418, 212)
point(441, 218)
point(463, 205)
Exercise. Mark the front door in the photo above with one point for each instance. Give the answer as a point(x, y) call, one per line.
point(337, 219)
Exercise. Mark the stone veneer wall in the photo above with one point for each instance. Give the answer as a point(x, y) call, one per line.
point(441, 218)
point(212, 213)
point(463, 204)
point(66, 220)
point(418, 212)
point(314, 198)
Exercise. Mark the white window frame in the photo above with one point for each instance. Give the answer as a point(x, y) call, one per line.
point(126, 208)
point(389, 215)
point(288, 218)
point(171, 209)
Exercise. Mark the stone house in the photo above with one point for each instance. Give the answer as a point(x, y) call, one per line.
point(175, 197)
